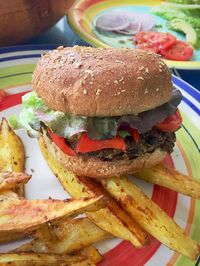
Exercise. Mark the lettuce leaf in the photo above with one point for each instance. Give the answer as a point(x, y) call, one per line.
point(188, 13)
point(66, 125)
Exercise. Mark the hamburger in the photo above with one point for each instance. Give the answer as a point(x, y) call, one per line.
point(103, 112)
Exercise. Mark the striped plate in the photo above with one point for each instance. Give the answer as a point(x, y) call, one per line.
point(16, 67)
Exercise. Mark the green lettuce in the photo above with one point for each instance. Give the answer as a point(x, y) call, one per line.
point(188, 13)
point(34, 112)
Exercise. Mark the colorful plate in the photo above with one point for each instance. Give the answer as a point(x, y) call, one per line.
point(83, 14)
point(16, 67)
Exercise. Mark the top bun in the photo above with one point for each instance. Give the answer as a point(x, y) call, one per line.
point(89, 81)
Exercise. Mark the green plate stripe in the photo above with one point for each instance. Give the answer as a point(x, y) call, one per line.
point(193, 157)
point(15, 75)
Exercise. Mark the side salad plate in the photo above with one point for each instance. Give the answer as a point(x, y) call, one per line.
point(169, 29)
point(16, 67)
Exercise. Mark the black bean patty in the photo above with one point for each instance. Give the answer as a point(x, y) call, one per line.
point(148, 143)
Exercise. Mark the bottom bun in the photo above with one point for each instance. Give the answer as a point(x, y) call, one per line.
point(96, 168)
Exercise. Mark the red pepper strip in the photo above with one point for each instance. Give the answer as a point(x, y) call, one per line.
point(60, 142)
point(88, 145)
point(135, 135)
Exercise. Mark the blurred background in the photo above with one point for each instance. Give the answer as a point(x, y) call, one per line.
point(44, 22)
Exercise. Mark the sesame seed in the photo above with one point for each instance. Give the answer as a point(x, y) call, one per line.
point(146, 91)
point(142, 67)
point(119, 61)
point(91, 82)
point(123, 90)
point(98, 92)
point(157, 89)
point(116, 82)
point(84, 91)
point(78, 65)
point(147, 70)
point(140, 78)
point(88, 71)
point(122, 78)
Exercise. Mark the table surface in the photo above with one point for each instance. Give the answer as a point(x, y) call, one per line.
point(61, 34)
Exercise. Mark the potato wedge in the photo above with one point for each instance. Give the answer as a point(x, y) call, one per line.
point(9, 180)
point(113, 218)
point(24, 215)
point(172, 179)
point(37, 246)
point(46, 233)
point(12, 155)
point(41, 259)
point(8, 195)
point(150, 216)
point(9, 236)
point(90, 252)
point(69, 236)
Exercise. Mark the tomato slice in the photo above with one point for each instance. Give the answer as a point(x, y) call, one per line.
point(60, 142)
point(85, 144)
point(179, 51)
point(158, 40)
point(171, 123)
point(135, 135)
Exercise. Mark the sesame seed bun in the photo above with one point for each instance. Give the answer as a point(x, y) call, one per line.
point(96, 168)
point(91, 81)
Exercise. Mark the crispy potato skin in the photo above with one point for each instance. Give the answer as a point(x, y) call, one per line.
point(41, 259)
point(11, 180)
point(150, 216)
point(170, 178)
point(12, 154)
point(65, 236)
point(24, 215)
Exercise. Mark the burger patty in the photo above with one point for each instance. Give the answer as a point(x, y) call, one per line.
point(148, 143)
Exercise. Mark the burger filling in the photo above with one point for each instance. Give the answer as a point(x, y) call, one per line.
point(147, 143)
point(107, 138)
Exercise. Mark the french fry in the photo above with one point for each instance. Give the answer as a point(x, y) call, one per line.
point(90, 252)
point(39, 247)
point(41, 259)
point(9, 236)
point(12, 155)
point(9, 180)
point(69, 236)
point(151, 217)
point(23, 215)
point(8, 194)
point(113, 218)
point(172, 179)
point(46, 234)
